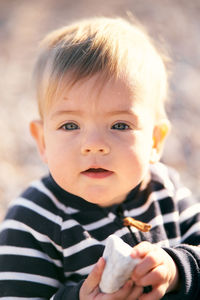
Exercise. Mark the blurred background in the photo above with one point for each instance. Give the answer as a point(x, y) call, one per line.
point(24, 23)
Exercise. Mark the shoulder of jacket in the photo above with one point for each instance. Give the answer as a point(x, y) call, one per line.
point(166, 176)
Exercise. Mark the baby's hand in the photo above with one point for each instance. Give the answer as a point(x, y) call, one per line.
point(90, 288)
point(156, 269)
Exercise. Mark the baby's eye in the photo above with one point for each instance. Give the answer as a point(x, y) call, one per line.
point(120, 126)
point(70, 126)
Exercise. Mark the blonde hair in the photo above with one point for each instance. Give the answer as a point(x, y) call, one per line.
point(105, 46)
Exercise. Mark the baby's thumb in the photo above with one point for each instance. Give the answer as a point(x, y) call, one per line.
point(93, 279)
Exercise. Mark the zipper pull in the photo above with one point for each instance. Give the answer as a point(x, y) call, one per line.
point(144, 227)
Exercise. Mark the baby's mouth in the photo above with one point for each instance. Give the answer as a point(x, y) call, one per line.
point(97, 173)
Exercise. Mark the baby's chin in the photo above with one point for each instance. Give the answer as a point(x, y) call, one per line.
point(98, 200)
point(102, 199)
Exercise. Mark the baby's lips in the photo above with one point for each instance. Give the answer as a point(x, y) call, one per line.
point(96, 170)
point(97, 173)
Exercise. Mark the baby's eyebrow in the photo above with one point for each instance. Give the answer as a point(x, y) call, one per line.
point(66, 112)
point(123, 112)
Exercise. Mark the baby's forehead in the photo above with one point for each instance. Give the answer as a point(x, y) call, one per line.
point(114, 95)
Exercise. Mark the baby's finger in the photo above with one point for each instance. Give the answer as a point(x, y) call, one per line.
point(93, 279)
point(136, 293)
point(157, 276)
point(151, 262)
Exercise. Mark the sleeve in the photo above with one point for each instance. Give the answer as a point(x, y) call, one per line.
point(187, 254)
point(31, 256)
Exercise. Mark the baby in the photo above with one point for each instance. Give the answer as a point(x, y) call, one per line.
point(101, 87)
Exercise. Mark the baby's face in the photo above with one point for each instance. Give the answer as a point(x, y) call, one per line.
point(98, 143)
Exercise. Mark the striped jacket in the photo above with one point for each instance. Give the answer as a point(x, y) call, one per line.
point(50, 240)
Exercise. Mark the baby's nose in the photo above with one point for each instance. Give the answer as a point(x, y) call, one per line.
point(95, 145)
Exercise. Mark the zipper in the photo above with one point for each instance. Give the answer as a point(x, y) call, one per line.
point(130, 222)
point(120, 215)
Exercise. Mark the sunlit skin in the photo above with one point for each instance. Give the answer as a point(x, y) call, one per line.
point(107, 129)
point(98, 144)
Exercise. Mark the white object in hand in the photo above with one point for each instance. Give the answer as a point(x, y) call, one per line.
point(119, 264)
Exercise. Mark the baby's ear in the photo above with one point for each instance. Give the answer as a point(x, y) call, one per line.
point(37, 132)
point(160, 133)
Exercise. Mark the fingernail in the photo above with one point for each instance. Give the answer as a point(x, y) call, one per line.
point(133, 253)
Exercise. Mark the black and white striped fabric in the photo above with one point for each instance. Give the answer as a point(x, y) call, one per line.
point(50, 239)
